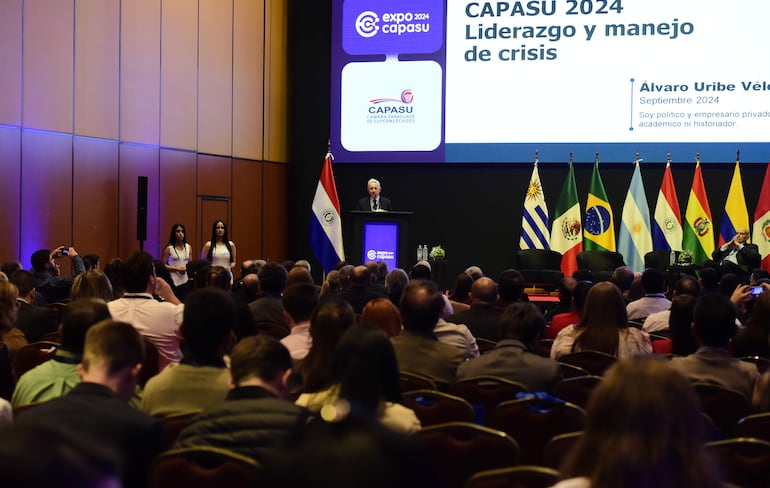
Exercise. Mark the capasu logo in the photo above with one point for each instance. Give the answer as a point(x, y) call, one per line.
point(371, 254)
point(366, 24)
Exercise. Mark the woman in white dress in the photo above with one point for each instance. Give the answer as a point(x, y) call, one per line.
point(177, 254)
point(220, 250)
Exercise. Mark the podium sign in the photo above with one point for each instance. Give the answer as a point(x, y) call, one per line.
point(380, 242)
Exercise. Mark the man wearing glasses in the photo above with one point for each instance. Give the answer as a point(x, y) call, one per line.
point(738, 256)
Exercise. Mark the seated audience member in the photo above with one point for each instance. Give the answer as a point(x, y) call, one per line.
point(345, 270)
point(714, 326)
point(255, 417)
point(395, 282)
point(417, 348)
point(754, 339)
point(299, 274)
point(603, 327)
point(456, 335)
point(91, 261)
point(116, 272)
point(636, 291)
point(219, 277)
point(483, 319)
point(92, 284)
point(298, 302)
point(658, 440)
point(200, 379)
point(376, 286)
point(461, 293)
point(709, 280)
point(45, 456)
point(157, 321)
point(366, 376)
point(350, 449)
point(50, 286)
point(8, 268)
point(658, 321)
point(331, 284)
point(8, 294)
point(474, 272)
point(97, 408)
point(623, 277)
point(329, 321)
point(682, 341)
point(267, 309)
point(382, 314)
point(360, 291)
point(562, 320)
point(246, 289)
point(421, 271)
point(510, 289)
point(566, 290)
point(35, 321)
point(521, 327)
point(57, 376)
point(654, 300)
point(757, 275)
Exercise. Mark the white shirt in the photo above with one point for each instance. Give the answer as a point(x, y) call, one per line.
point(157, 321)
point(298, 342)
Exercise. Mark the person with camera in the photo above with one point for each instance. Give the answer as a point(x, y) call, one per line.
point(50, 286)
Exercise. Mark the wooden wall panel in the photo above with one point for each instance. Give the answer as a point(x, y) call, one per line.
point(215, 77)
point(214, 175)
point(177, 199)
point(48, 65)
point(97, 31)
point(95, 197)
point(140, 71)
point(248, 59)
point(247, 208)
point(276, 81)
point(275, 212)
point(46, 190)
point(10, 60)
point(136, 161)
point(178, 75)
point(10, 201)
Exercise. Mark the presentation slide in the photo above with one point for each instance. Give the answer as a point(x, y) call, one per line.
point(472, 81)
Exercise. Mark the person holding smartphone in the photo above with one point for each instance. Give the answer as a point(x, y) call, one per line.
point(50, 286)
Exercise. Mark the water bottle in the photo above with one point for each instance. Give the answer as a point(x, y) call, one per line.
point(672, 258)
point(419, 252)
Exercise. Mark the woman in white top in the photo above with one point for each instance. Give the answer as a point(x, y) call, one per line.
point(603, 327)
point(220, 250)
point(177, 254)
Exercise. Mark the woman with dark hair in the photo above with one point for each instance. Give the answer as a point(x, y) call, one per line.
point(329, 321)
point(382, 314)
point(177, 254)
point(366, 375)
point(116, 273)
point(682, 341)
point(603, 327)
point(220, 250)
point(8, 342)
point(754, 339)
point(642, 430)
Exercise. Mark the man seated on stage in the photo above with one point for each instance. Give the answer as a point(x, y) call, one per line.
point(738, 256)
point(374, 202)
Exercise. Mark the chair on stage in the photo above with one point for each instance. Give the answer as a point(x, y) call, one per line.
point(203, 467)
point(606, 261)
point(435, 407)
point(540, 267)
point(465, 448)
point(534, 421)
point(515, 477)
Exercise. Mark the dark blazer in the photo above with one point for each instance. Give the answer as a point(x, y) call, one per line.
point(92, 411)
point(428, 357)
point(483, 321)
point(358, 297)
point(748, 257)
point(385, 204)
point(35, 321)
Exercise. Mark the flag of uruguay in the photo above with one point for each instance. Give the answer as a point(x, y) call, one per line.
point(325, 224)
point(534, 220)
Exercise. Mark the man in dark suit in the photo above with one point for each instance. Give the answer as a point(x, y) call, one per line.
point(35, 321)
point(738, 256)
point(483, 319)
point(97, 409)
point(374, 202)
point(417, 349)
point(522, 325)
point(360, 292)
